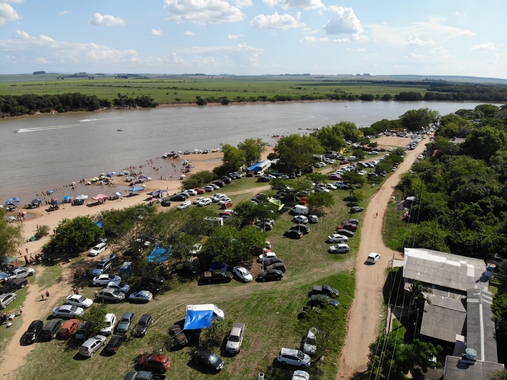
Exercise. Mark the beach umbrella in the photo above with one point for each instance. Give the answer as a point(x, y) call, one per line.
point(66, 198)
point(7, 260)
point(82, 197)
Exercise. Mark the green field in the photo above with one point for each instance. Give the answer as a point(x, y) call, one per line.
point(269, 310)
point(185, 89)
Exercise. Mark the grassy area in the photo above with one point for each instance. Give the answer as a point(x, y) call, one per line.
point(395, 229)
point(185, 89)
point(52, 274)
point(269, 310)
point(13, 308)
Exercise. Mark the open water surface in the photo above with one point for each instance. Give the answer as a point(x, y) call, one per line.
point(52, 150)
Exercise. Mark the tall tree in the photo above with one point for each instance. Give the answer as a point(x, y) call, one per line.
point(296, 151)
point(416, 120)
point(10, 235)
point(252, 149)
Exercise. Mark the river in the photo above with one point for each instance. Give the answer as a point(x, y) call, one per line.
point(53, 150)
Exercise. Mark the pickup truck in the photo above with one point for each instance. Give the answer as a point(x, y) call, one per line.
point(217, 275)
point(235, 338)
point(325, 289)
point(13, 284)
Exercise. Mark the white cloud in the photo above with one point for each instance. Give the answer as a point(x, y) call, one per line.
point(415, 56)
point(302, 4)
point(440, 51)
point(7, 13)
point(64, 12)
point(205, 11)
point(276, 21)
point(235, 36)
point(344, 21)
point(189, 33)
point(106, 20)
point(485, 46)
point(155, 32)
point(313, 39)
point(416, 41)
point(42, 61)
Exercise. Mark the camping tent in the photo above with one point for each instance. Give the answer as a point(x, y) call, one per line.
point(201, 316)
point(136, 189)
point(159, 255)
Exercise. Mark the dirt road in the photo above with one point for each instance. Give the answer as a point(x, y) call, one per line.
point(364, 315)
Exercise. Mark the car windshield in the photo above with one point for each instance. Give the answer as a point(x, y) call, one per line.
point(213, 358)
point(233, 338)
point(300, 355)
point(311, 340)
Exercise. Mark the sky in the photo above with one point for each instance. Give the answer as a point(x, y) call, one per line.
point(255, 37)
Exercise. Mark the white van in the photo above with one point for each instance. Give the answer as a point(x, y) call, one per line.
point(299, 210)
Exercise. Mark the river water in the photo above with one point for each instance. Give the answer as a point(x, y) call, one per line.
point(53, 150)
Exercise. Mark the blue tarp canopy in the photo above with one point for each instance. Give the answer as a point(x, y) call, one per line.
point(135, 189)
point(159, 255)
point(198, 319)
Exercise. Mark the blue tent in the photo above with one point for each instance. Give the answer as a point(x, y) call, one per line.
point(198, 319)
point(136, 189)
point(159, 255)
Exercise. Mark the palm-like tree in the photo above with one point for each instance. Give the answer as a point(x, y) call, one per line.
point(416, 294)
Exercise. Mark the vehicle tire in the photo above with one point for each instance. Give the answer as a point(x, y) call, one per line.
point(303, 366)
point(284, 362)
point(263, 280)
point(278, 279)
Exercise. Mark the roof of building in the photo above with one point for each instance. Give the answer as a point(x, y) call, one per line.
point(443, 318)
point(457, 369)
point(444, 269)
point(480, 326)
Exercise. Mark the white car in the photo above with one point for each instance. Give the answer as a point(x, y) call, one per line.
point(362, 172)
point(310, 342)
point(242, 273)
point(197, 200)
point(300, 219)
point(20, 272)
point(224, 200)
point(184, 205)
point(217, 197)
point(330, 186)
point(266, 255)
point(191, 192)
point(67, 311)
point(300, 375)
point(79, 301)
point(122, 287)
point(204, 202)
point(105, 279)
point(373, 257)
point(110, 322)
point(98, 249)
point(337, 238)
point(313, 218)
point(290, 356)
point(92, 345)
point(339, 248)
point(141, 296)
point(6, 299)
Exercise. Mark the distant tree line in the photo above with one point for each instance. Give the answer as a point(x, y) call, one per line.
point(17, 105)
point(466, 92)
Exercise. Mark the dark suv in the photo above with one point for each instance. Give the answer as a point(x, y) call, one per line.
point(142, 326)
point(51, 329)
point(33, 331)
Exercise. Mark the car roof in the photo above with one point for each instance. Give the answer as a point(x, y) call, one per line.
point(145, 317)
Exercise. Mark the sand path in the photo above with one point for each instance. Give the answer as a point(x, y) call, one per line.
point(365, 314)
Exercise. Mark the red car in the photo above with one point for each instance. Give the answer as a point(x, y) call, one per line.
point(155, 362)
point(199, 190)
point(344, 162)
point(347, 226)
point(69, 328)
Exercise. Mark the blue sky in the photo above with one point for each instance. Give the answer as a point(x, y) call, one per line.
point(253, 37)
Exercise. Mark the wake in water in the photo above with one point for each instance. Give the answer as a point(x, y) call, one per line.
point(50, 128)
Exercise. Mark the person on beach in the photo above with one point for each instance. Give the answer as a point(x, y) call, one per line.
point(47, 293)
point(21, 310)
point(42, 297)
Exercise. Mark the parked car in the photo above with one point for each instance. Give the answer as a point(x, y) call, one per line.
point(92, 345)
point(122, 287)
point(242, 273)
point(180, 197)
point(347, 226)
point(355, 209)
point(303, 228)
point(179, 338)
point(98, 249)
point(125, 322)
point(115, 342)
point(105, 279)
point(150, 286)
point(21, 272)
point(300, 219)
point(79, 301)
point(111, 295)
point(12, 284)
point(293, 234)
point(290, 356)
point(278, 266)
point(345, 232)
point(145, 375)
point(337, 238)
point(51, 329)
point(325, 289)
point(313, 219)
point(166, 202)
point(270, 275)
point(33, 332)
point(322, 300)
point(204, 357)
point(235, 338)
point(67, 311)
point(142, 326)
point(300, 375)
point(6, 299)
point(339, 248)
point(373, 257)
point(351, 221)
point(266, 255)
point(155, 362)
point(204, 202)
point(184, 205)
point(69, 328)
point(310, 341)
point(141, 296)
point(102, 266)
point(110, 320)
